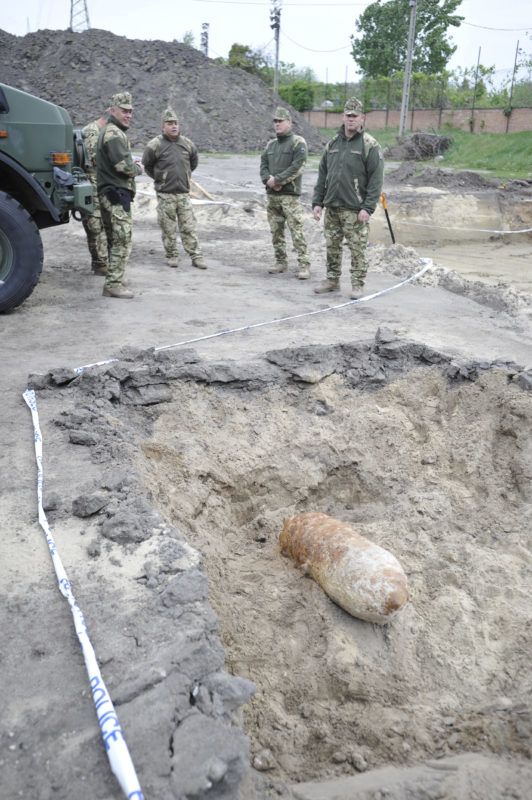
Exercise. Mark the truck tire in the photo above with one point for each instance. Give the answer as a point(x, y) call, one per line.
point(21, 253)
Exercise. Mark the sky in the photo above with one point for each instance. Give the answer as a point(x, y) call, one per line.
point(314, 33)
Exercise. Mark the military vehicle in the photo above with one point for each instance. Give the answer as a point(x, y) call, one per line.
point(41, 184)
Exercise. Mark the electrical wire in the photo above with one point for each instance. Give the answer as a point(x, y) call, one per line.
point(486, 28)
point(311, 49)
point(249, 3)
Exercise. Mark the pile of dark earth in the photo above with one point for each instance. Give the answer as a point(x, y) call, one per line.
point(222, 109)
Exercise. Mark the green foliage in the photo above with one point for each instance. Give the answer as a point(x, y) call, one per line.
point(447, 90)
point(187, 38)
point(298, 94)
point(522, 94)
point(288, 73)
point(243, 57)
point(381, 48)
point(502, 155)
point(257, 63)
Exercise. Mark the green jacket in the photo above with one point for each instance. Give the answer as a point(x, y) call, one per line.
point(350, 173)
point(284, 157)
point(170, 163)
point(115, 167)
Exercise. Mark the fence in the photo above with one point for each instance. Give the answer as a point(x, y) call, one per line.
point(489, 120)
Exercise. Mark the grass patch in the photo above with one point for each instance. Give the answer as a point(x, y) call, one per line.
point(501, 155)
point(504, 155)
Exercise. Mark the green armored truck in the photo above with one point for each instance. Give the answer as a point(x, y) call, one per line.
point(41, 184)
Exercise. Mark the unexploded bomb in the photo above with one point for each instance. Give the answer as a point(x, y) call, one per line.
point(364, 579)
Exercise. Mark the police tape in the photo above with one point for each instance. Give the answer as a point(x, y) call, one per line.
point(449, 228)
point(112, 734)
point(427, 264)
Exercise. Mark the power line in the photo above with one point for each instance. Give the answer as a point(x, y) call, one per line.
point(486, 28)
point(249, 3)
point(311, 49)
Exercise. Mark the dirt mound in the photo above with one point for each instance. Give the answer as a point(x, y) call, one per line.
point(443, 179)
point(419, 146)
point(221, 108)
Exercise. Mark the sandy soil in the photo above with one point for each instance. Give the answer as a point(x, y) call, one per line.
point(438, 473)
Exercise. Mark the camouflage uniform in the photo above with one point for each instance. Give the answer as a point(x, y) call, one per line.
point(173, 211)
point(116, 172)
point(287, 210)
point(284, 158)
point(96, 236)
point(171, 162)
point(342, 223)
point(349, 179)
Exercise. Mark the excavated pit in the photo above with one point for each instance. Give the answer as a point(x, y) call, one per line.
point(163, 452)
point(438, 472)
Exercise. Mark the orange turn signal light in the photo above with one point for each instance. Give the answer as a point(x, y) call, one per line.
point(3, 134)
point(60, 159)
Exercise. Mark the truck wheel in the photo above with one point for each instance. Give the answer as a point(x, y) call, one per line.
point(21, 253)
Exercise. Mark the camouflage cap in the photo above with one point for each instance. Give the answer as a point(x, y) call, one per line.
point(281, 113)
point(169, 115)
point(122, 100)
point(353, 106)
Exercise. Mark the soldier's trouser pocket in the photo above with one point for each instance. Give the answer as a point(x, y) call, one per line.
point(118, 196)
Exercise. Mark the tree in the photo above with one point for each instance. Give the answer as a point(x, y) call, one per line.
point(253, 61)
point(298, 94)
point(187, 38)
point(381, 49)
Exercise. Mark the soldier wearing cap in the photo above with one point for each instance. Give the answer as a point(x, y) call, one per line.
point(92, 223)
point(115, 172)
point(281, 168)
point(349, 186)
point(170, 159)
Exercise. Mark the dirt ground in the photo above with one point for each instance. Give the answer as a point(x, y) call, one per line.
point(408, 415)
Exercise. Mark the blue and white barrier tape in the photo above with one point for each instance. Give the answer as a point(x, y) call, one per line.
point(449, 228)
point(427, 264)
point(113, 737)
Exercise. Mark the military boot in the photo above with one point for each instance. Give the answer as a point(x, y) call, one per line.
point(172, 261)
point(356, 292)
point(199, 263)
point(303, 273)
point(327, 286)
point(118, 290)
point(99, 268)
point(278, 267)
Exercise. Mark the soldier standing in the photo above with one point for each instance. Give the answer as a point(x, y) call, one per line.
point(281, 167)
point(116, 171)
point(92, 223)
point(170, 159)
point(349, 186)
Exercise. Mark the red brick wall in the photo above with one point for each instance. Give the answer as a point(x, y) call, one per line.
point(491, 120)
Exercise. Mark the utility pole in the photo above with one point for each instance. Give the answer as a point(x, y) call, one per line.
point(509, 109)
point(275, 25)
point(79, 16)
point(408, 66)
point(472, 119)
point(205, 38)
